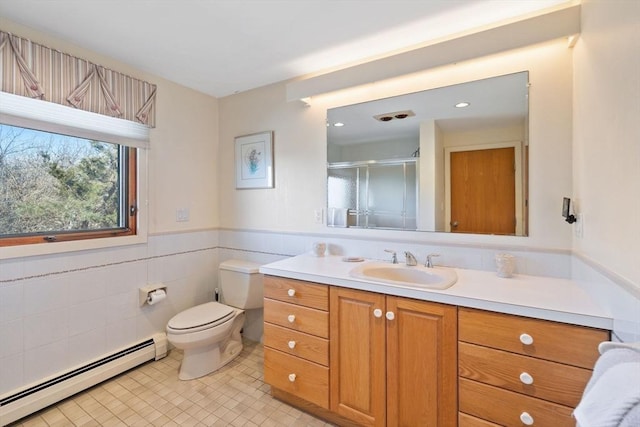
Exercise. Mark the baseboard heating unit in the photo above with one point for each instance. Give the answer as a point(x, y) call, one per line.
point(27, 400)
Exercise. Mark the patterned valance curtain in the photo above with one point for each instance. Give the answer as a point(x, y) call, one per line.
point(32, 70)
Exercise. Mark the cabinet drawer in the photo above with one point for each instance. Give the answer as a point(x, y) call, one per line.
point(296, 317)
point(506, 408)
point(299, 377)
point(465, 420)
point(307, 346)
point(552, 381)
point(297, 292)
point(559, 342)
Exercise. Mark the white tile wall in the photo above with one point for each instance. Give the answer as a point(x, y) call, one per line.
point(45, 294)
point(11, 371)
point(11, 301)
point(11, 337)
point(60, 311)
point(623, 304)
point(120, 332)
point(87, 345)
point(44, 361)
point(45, 328)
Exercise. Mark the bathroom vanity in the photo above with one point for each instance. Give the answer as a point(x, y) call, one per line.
point(487, 351)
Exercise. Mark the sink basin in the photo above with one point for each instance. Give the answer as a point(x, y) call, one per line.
point(403, 275)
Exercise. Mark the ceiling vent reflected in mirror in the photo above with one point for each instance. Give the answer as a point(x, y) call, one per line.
point(399, 115)
point(370, 180)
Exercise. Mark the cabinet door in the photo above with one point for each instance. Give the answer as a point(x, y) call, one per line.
point(421, 363)
point(357, 362)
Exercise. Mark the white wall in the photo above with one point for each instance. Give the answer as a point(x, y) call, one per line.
point(606, 159)
point(57, 311)
point(607, 135)
point(300, 147)
point(184, 145)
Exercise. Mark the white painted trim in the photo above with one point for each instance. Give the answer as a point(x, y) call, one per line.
point(47, 116)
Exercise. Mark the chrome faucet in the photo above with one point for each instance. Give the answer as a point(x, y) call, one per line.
point(410, 259)
point(394, 257)
point(429, 262)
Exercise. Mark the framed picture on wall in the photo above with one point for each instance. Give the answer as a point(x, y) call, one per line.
point(254, 160)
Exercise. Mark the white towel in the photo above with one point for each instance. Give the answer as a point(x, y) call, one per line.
point(613, 392)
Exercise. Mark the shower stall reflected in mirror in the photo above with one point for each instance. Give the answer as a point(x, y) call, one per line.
point(374, 194)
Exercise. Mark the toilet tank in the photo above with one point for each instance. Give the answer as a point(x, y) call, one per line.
point(241, 284)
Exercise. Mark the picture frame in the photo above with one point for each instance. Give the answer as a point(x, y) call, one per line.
point(254, 160)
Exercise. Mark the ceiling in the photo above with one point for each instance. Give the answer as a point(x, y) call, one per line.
point(222, 47)
point(494, 102)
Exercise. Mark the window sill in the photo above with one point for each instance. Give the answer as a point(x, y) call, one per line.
point(9, 252)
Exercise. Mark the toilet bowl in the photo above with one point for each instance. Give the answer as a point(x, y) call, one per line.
point(209, 333)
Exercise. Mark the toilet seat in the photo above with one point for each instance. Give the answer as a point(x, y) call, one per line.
point(200, 317)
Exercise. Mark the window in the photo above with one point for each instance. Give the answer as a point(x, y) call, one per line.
point(56, 187)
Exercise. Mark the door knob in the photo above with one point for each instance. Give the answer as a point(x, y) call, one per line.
point(292, 377)
point(291, 344)
point(291, 292)
point(291, 318)
point(390, 315)
point(454, 224)
point(377, 312)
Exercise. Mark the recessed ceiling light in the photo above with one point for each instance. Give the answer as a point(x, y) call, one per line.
point(338, 124)
point(462, 104)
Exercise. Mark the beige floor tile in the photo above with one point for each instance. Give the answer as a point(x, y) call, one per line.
point(152, 395)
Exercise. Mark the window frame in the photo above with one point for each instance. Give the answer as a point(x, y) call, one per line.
point(130, 228)
point(16, 110)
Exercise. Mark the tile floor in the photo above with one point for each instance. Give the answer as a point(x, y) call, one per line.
point(152, 395)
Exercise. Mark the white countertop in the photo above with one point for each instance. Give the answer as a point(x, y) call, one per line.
point(560, 300)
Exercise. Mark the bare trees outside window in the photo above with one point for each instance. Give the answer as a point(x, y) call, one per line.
point(56, 187)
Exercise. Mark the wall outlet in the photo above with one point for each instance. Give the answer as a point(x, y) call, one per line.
point(182, 215)
point(317, 214)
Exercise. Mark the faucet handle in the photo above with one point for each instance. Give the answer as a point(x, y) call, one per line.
point(429, 262)
point(394, 256)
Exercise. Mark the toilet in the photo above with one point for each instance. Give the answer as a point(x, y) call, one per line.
point(209, 333)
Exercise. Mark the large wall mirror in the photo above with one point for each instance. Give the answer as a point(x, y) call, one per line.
point(452, 159)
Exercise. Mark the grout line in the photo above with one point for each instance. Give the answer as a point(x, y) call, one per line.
point(111, 264)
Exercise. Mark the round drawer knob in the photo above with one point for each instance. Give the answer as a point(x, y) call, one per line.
point(526, 339)
point(291, 344)
point(292, 378)
point(526, 419)
point(291, 292)
point(390, 315)
point(377, 312)
point(291, 318)
point(526, 378)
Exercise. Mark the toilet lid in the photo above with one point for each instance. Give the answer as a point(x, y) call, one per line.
point(200, 315)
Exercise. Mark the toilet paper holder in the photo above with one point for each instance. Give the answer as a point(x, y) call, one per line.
point(145, 292)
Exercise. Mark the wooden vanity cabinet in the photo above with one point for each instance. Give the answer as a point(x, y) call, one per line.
point(393, 360)
point(358, 358)
point(296, 332)
point(517, 371)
